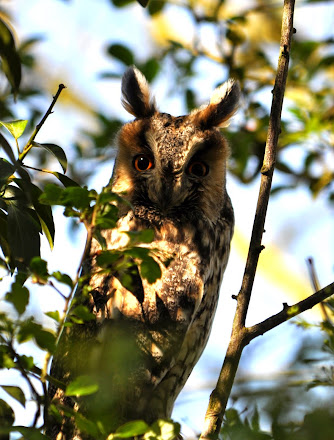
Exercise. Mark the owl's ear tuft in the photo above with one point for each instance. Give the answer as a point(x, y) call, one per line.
point(223, 104)
point(136, 98)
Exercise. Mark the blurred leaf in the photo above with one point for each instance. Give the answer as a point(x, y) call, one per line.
point(44, 338)
point(121, 3)
point(63, 278)
point(121, 53)
point(57, 151)
point(130, 429)
point(18, 296)
point(163, 430)
point(150, 270)
point(144, 236)
point(11, 64)
point(82, 313)
point(154, 7)
point(107, 258)
point(39, 270)
point(53, 315)
point(15, 128)
point(82, 386)
point(7, 416)
point(16, 393)
point(150, 68)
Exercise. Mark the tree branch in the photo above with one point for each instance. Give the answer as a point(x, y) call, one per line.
point(288, 312)
point(220, 395)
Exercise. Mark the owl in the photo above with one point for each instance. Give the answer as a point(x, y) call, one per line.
point(145, 340)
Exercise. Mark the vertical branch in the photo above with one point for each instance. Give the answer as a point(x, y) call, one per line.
point(220, 395)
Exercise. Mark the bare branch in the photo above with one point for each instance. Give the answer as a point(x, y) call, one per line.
point(288, 312)
point(220, 395)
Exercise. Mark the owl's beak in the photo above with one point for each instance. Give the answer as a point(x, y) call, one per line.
point(170, 194)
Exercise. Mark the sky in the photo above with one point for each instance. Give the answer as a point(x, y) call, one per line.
point(297, 226)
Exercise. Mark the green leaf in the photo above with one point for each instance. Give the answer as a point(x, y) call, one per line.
point(76, 197)
point(163, 430)
point(7, 416)
point(144, 236)
point(18, 296)
point(16, 393)
point(82, 386)
point(53, 315)
point(121, 53)
point(44, 338)
point(39, 269)
point(63, 278)
point(3, 235)
point(23, 234)
point(66, 181)
point(155, 7)
point(107, 258)
point(6, 170)
point(121, 3)
point(8, 149)
point(150, 270)
point(82, 313)
point(137, 252)
point(52, 195)
point(15, 128)
point(11, 63)
point(57, 151)
point(130, 429)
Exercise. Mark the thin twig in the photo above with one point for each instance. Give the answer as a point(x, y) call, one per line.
point(28, 146)
point(220, 395)
point(316, 287)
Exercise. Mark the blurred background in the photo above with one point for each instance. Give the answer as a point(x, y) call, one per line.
point(185, 49)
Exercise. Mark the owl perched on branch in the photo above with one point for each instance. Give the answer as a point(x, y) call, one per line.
point(146, 340)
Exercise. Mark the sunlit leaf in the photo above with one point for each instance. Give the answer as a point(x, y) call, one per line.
point(130, 429)
point(16, 393)
point(15, 128)
point(82, 386)
point(57, 151)
point(53, 315)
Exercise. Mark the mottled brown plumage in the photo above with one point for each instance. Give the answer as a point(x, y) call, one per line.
point(145, 342)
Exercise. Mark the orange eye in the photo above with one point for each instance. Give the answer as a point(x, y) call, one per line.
point(198, 168)
point(142, 162)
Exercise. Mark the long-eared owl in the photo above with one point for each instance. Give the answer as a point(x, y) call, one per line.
point(145, 341)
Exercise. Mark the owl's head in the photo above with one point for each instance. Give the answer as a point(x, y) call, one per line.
point(173, 166)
